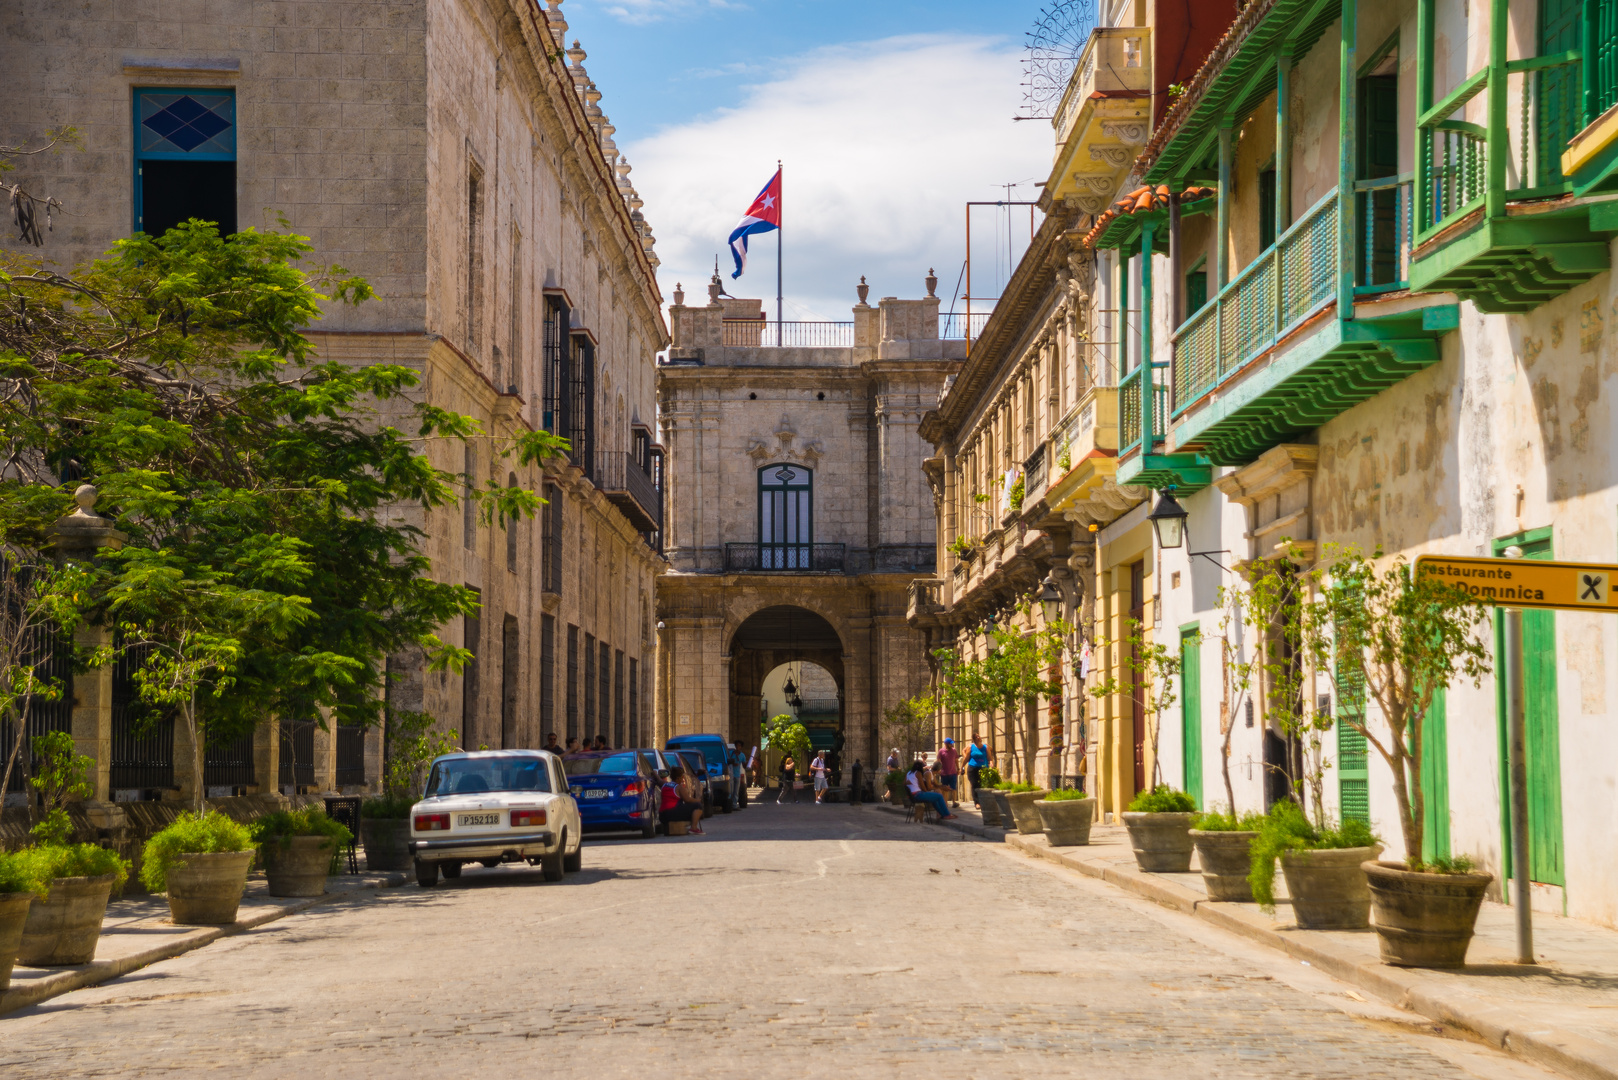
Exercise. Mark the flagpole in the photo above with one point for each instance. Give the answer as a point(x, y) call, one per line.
point(778, 290)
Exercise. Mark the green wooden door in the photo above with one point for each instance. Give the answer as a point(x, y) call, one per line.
point(1379, 157)
point(1435, 780)
point(1541, 722)
point(1558, 91)
point(1353, 776)
point(1191, 708)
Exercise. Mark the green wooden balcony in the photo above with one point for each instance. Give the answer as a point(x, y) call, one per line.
point(1271, 357)
point(1495, 219)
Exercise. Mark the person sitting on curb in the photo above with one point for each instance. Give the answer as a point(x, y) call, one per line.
point(680, 803)
point(917, 781)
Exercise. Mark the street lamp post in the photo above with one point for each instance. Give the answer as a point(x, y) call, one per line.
point(1050, 602)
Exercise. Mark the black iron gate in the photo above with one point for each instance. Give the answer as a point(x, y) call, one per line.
point(142, 735)
point(297, 752)
point(55, 663)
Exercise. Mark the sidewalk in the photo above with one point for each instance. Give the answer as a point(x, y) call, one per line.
point(1561, 1013)
point(137, 932)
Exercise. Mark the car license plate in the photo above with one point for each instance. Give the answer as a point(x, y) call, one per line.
point(476, 821)
point(596, 793)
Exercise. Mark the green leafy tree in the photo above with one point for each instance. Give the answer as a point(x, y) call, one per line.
point(1010, 678)
point(1235, 683)
point(39, 610)
point(266, 571)
point(787, 737)
point(1401, 636)
point(413, 744)
point(910, 725)
point(1281, 612)
point(64, 774)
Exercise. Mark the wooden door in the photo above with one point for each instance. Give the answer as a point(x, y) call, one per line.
point(1435, 780)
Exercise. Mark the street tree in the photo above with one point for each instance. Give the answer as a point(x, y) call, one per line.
point(1010, 678)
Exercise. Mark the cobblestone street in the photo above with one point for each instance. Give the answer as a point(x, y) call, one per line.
point(790, 940)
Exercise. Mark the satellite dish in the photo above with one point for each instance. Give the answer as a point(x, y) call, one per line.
point(1052, 52)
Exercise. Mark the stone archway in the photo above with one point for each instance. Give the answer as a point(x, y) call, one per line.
point(768, 638)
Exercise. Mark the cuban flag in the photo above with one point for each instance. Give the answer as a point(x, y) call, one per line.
point(762, 217)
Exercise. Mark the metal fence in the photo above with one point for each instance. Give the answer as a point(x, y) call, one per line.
point(142, 735)
point(54, 664)
point(796, 334)
point(784, 558)
point(631, 488)
point(297, 752)
point(955, 324)
point(229, 763)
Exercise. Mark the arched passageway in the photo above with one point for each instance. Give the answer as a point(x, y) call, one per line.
point(768, 639)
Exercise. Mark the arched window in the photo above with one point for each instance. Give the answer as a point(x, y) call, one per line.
point(785, 517)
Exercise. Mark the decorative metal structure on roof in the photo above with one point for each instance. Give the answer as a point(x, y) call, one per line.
point(1053, 49)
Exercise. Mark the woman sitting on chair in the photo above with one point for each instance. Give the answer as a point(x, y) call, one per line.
point(681, 803)
point(916, 779)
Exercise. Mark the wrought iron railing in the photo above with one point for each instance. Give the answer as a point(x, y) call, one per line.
point(297, 752)
point(142, 736)
point(350, 755)
point(797, 334)
point(53, 658)
point(953, 325)
point(784, 558)
point(1385, 210)
point(630, 487)
point(1545, 107)
point(1292, 280)
point(1036, 474)
point(229, 762)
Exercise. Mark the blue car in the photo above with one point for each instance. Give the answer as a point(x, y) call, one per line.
point(724, 768)
point(616, 790)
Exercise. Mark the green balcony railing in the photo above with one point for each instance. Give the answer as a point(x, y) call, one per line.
point(1292, 280)
point(1544, 109)
point(1385, 216)
point(1129, 418)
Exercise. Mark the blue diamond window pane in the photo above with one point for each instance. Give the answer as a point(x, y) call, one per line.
point(164, 123)
point(188, 138)
point(187, 108)
point(209, 125)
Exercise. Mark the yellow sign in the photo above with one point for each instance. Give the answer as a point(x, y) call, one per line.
point(1527, 583)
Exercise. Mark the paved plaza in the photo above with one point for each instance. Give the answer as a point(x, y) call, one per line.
point(792, 940)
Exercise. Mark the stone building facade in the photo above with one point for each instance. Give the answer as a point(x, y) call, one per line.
point(453, 153)
point(798, 511)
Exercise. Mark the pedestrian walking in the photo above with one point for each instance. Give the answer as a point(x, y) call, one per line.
point(949, 771)
point(789, 778)
point(819, 768)
point(916, 780)
point(978, 758)
point(893, 759)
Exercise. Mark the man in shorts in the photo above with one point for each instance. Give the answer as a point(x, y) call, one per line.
point(819, 768)
point(949, 772)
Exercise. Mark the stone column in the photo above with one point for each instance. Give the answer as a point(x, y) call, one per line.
point(266, 755)
point(79, 538)
point(326, 754)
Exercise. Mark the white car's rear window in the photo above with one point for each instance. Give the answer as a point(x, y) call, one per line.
point(474, 776)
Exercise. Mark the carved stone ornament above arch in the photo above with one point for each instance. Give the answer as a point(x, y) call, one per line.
point(764, 450)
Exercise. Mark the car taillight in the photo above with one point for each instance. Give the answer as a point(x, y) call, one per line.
point(633, 788)
point(527, 817)
point(432, 822)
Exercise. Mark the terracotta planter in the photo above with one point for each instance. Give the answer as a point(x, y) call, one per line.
point(13, 916)
point(1021, 804)
point(989, 805)
point(297, 866)
point(1226, 862)
point(1162, 842)
point(1424, 920)
point(206, 888)
point(1067, 821)
point(63, 928)
point(385, 840)
point(1328, 889)
point(1007, 822)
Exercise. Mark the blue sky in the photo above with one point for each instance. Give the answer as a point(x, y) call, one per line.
point(889, 115)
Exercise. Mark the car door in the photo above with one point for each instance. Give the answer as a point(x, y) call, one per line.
point(565, 800)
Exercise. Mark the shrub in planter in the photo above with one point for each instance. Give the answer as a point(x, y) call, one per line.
point(22, 881)
point(1424, 918)
point(1067, 817)
point(201, 861)
point(64, 926)
point(1224, 844)
point(1322, 866)
point(385, 832)
point(1159, 823)
point(1020, 799)
point(297, 848)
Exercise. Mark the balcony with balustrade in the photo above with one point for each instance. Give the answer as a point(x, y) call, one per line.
point(1498, 220)
point(1104, 116)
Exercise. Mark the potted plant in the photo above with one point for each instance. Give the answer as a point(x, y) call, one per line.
point(1067, 816)
point(201, 862)
point(1322, 866)
point(1224, 853)
point(385, 831)
point(64, 925)
point(1020, 799)
point(1001, 806)
point(385, 820)
point(1159, 823)
point(1399, 636)
point(961, 548)
point(988, 777)
point(297, 847)
point(21, 882)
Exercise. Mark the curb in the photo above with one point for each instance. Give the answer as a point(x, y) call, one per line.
point(1566, 1052)
point(100, 971)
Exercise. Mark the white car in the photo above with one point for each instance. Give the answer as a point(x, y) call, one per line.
point(493, 807)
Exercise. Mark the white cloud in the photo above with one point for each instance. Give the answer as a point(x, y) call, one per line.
point(883, 143)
